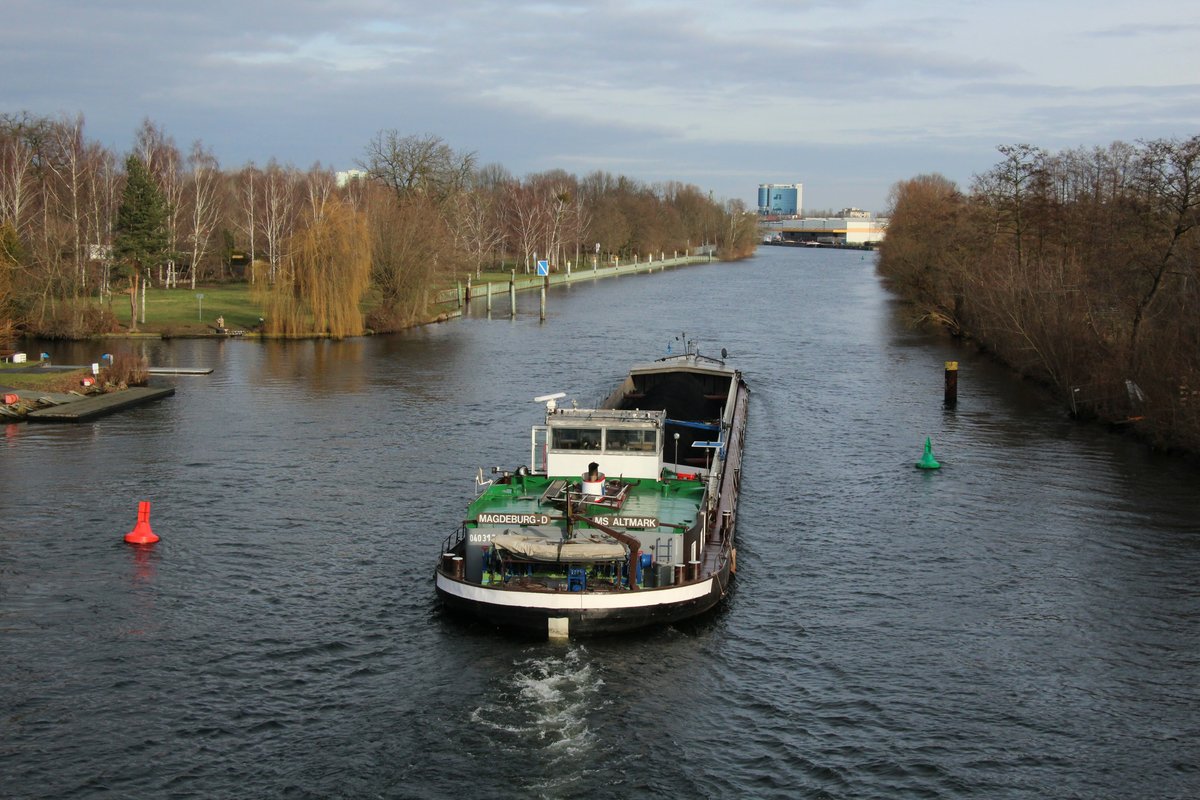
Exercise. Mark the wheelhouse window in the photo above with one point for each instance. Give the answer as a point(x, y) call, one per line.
point(577, 439)
point(630, 440)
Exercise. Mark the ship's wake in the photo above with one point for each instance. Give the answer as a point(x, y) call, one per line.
point(537, 718)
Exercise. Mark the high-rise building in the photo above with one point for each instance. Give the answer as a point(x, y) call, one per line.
point(780, 199)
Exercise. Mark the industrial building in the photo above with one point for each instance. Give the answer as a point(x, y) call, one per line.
point(818, 231)
point(781, 208)
point(780, 199)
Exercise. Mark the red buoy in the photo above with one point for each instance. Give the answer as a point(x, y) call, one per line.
point(141, 533)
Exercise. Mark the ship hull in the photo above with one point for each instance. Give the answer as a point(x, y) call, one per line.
point(509, 564)
point(583, 613)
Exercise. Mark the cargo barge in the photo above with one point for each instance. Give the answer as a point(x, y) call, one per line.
point(624, 516)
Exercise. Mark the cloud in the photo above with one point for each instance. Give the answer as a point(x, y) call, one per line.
point(1137, 30)
point(852, 94)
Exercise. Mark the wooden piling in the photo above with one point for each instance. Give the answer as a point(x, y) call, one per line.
point(950, 398)
point(543, 304)
point(512, 294)
point(488, 294)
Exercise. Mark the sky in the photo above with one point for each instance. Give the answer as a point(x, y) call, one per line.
point(846, 97)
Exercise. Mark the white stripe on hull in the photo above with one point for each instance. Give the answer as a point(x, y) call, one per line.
point(575, 601)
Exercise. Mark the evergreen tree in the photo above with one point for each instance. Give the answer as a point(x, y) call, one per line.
point(140, 238)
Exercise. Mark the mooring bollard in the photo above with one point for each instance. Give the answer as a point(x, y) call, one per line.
point(950, 400)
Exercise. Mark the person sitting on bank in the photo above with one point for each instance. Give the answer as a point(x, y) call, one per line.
point(221, 324)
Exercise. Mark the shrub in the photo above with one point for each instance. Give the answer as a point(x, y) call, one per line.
point(125, 370)
point(71, 320)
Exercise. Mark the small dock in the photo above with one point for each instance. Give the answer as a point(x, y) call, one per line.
point(149, 370)
point(99, 405)
point(179, 370)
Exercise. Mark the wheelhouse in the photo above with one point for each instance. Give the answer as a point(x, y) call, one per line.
point(625, 443)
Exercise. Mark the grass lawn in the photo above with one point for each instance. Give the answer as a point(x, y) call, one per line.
point(42, 380)
point(181, 311)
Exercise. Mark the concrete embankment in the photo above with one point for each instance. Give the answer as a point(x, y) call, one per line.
point(527, 282)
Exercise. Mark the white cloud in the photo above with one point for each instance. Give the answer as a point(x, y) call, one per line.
point(860, 93)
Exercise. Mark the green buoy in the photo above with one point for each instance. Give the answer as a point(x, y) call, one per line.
point(927, 460)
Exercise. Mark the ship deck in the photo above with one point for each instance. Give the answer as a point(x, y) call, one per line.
point(673, 502)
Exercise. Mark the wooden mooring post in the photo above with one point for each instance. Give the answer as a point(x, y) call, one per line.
point(950, 398)
point(543, 303)
point(488, 294)
point(512, 294)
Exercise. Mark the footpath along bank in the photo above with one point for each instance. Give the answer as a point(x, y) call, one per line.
point(454, 300)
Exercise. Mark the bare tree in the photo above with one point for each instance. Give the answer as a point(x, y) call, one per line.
point(204, 206)
point(1169, 177)
point(555, 193)
point(16, 178)
point(477, 226)
point(411, 246)
point(526, 217)
point(66, 167)
point(250, 180)
point(1010, 186)
point(417, 164)
point(105, 177)
point(277, 217)
point(320, 187)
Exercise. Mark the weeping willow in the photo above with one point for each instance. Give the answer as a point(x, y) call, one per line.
point(321, 283)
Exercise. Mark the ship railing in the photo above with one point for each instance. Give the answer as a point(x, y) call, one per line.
point(455, 538)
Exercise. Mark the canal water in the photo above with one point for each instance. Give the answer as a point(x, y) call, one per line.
point(1024, 622)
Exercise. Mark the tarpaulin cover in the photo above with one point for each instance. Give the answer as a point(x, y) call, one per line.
point(536, 548)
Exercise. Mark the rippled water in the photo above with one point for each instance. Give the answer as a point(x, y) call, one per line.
point(1023, 623)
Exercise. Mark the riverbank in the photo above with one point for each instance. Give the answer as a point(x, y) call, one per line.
point(41, 392)
point(1091, 293)
point(229, 311)
point(496, 284)
point(35, 389)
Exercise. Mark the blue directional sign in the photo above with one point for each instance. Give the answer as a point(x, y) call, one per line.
point(543, 268)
